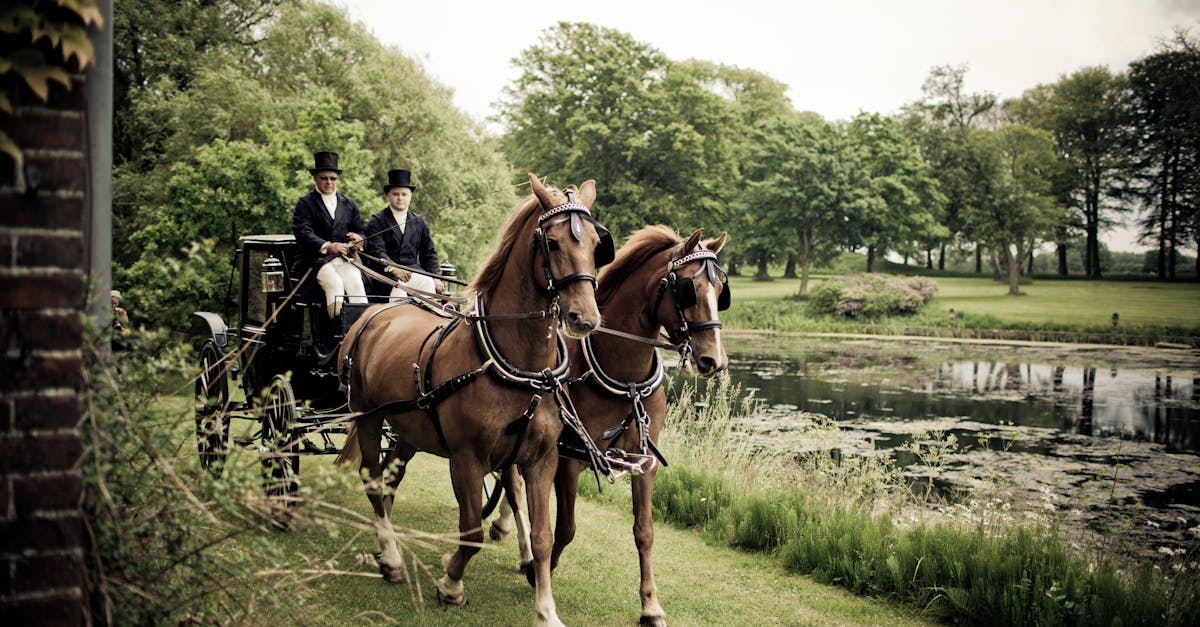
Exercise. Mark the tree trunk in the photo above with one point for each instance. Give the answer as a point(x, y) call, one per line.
point(762, 274)
point(870, 258)
point(1014, 270)
point(1060, 249)
point(929, 259)
point(805, 257)
point(999, 261)
point(978, 260)
point(789, 269)
point(1030, 269)
point(1093, 229)
point(942, 257)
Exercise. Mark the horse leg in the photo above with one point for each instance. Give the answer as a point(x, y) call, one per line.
point(643, 537)
point(514, 494)
point(466, 474)
point(566, 487)
point(538, 477)
point(502, 526)
point(391, 560)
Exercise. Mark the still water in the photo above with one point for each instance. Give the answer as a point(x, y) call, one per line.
point(1086, 432)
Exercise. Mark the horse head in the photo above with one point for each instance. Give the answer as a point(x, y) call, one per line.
point(568, 247)
point(696, 290)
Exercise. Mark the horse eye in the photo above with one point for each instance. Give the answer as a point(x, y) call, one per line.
point(553, 246)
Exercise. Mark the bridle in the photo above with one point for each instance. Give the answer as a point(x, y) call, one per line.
point(575, 213)
point(684, 295)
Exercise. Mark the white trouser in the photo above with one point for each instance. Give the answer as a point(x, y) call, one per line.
point(340, 277)
point(417, 282)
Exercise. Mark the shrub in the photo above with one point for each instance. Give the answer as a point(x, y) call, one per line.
point(871, 295)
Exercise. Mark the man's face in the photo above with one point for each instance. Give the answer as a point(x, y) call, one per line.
point(399, 197)
point(326, 180)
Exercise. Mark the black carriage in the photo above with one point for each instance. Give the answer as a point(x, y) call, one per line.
point(283, 354)
point(274, 351)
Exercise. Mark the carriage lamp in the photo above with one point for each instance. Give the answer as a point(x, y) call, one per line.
point(448, 270)
point(272, 276)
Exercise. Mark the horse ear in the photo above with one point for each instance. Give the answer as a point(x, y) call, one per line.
point(692, 240)
point(587, 193)
point(716, 244)
point(540, 191)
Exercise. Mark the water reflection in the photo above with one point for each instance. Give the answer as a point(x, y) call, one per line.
point(1159, 407)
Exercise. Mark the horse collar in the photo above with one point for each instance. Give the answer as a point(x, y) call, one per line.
point(621, 388)
point(539, 381)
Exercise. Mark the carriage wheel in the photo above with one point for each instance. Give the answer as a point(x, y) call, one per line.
point(211, 403)
point(280, 463)
point(493, 489)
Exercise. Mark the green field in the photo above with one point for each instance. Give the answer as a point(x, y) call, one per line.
point(1080, 305)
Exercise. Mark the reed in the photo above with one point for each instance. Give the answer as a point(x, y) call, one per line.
point(826, 521)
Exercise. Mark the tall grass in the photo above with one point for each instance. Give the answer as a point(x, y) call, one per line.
point(832, 518)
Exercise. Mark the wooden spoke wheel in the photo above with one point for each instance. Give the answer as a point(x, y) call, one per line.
point(280, 462)
point(211, 408)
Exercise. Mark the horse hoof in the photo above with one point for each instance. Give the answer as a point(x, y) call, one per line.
point(530, 573)
point(498, 534)
point(451, 599)
point(653, 621)
point(392, 574)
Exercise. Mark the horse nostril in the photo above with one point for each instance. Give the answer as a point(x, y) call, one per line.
point(706, 363)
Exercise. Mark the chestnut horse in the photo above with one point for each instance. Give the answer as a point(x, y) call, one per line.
point(469, 387)
point(658, 280)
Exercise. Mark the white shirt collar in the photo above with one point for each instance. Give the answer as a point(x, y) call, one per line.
point(330, 201)
point(400, 216)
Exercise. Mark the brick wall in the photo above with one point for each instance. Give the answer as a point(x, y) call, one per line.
point(42, 294)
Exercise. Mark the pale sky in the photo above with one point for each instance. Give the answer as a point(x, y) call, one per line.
point(837, 57)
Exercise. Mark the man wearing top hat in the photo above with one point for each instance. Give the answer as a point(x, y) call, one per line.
point(401, 237)
point(328, 226)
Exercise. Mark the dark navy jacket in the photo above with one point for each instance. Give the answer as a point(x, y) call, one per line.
point(312, 227)
point(415, 245)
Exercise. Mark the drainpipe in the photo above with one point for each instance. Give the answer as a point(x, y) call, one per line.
point(97, 236)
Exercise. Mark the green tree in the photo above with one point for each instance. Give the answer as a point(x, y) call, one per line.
point(233, 145)
point(941, 125)
point(1085, 113)
point(1164, 112)
point(592, 102)
point(909, 201)
point(799, 183)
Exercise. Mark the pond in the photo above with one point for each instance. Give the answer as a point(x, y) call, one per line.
point(1102, 435)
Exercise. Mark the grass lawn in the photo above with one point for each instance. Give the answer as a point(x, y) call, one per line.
point(1081, 304)
point(596, 582)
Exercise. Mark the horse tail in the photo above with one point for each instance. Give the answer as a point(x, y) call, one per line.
point(351, 454)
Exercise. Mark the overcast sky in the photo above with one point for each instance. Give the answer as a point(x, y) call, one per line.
point(837, 57)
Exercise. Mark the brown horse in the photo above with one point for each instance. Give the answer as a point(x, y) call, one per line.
point(470, 387)
point(658, 280)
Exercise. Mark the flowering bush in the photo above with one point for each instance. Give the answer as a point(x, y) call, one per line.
point(868, 295)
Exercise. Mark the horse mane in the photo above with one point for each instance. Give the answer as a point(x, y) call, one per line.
point(489, 274)
point(645, 243)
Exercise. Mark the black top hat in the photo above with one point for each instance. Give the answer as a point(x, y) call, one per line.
point(325, 161)
point(399, 178)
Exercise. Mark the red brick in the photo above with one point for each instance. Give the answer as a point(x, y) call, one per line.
point(47, 492)
point(47, 412)
point(48, 331)
point(69, 610)
point(33, 372)
point(42, 572)
point(26, 534)
point(48, 129)
point(57, 173)
point(50, 251)
point(26, 292)
point(46, 452)
point(40, 211)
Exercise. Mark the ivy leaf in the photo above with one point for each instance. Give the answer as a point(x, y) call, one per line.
point(8, 146)
point(15, 19)
point(32, 66)
point(5, 103)
point(75, 43)
point(86, 9)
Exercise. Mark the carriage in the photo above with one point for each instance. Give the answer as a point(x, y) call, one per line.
point(292, 397)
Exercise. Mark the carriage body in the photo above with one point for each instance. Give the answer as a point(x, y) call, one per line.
point(271, 353)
